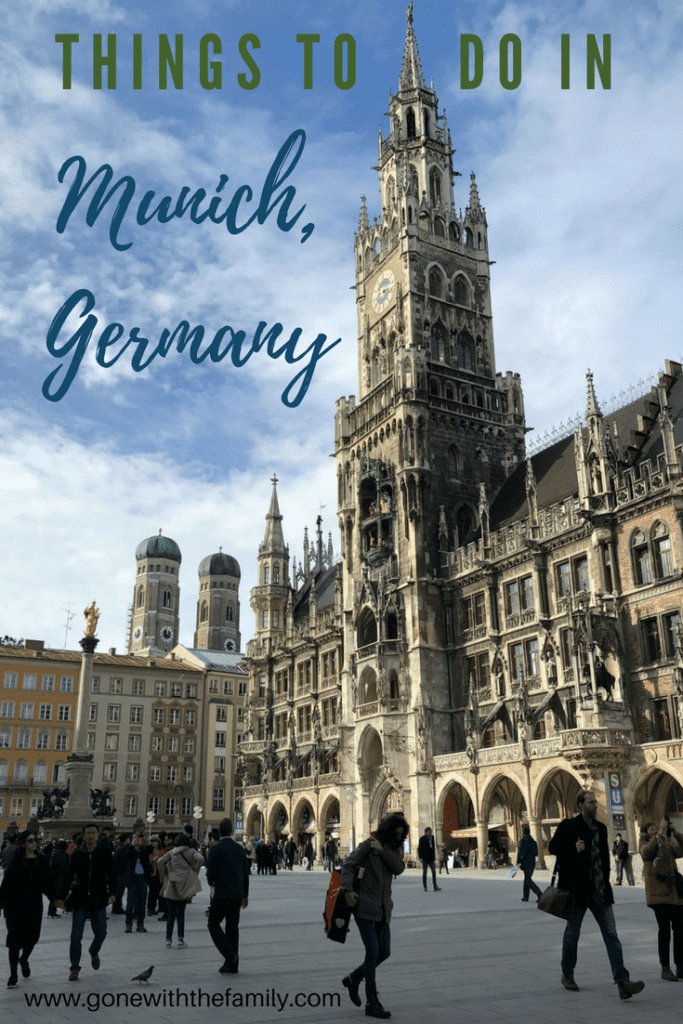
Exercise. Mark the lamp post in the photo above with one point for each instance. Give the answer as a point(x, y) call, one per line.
point(197, 815)
point(351, 798)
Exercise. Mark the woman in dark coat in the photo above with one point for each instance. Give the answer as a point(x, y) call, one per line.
point(381, 858)
point(26, 880)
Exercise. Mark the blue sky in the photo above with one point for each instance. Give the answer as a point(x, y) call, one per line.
point(583, 199)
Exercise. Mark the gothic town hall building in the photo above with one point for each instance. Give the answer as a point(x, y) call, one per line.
point(501, 630)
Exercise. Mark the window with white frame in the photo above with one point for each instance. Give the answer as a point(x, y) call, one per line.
point(16, 808)
point(135, 742)
point(11, 680)
point(5, 738)
point(191, 690)
point(173, 744)
point(136, 714)
point(61, 741)
point(95, 684)
point(26, 710)
point(220, 739)
point(221, 714)
point(39, 773)
point(109, 773)
point(170, 807)
point(158, 716)
point(155, 773)
point(242, 689)
point(187, 773)
point(64, 713)
point(176, 689)
point(67, 684)
point(190, 719)
point(23, 739)
point(153, 804)
point(186, 807)
point(7, 709)
point(188, 745)
point(227, 687)
point(47, 684)
point(174, 716)
point(131, 806)
point(218, 803)
point(160, 689)
point(157, 744)
point(138, 687)
point(132, 772)
point(92, 712)
point(111, 741)
point(213, 686)
point(4, 773)
point(113, 712)
point(116, 685)
point(171, 773)
point(45, 712)
point(30, 681)
point(20, 773)
point(43, 741)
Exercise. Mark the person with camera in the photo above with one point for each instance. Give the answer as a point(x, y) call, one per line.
point(583, 860)
point(377, 861)
point(660, 846)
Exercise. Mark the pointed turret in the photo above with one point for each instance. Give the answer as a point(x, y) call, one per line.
point(592, 407)
point(474, 194)
point(363, 220)
point(268, 598)
point(273, 539)
point(411, 73)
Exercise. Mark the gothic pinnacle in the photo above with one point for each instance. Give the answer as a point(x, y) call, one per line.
point(363, 222)
point(592, 407)
point(474, 194)
point(411, 72)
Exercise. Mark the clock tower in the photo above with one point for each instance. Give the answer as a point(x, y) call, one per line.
point(433, 435)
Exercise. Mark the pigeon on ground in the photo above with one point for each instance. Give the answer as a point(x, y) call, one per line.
point(145, 976)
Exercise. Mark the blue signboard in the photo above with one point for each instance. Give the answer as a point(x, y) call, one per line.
point(616, 798)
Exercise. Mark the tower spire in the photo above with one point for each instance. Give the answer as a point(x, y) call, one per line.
point(474, 194)
point(592, 407)
point(273, 539)
point(411, 73)
point(363, 222)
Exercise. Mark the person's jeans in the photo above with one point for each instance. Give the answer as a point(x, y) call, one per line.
point(605, 918)
point(137, 899)
point(377, 941)
point(176, 913)
point(628, 868)
point(529, 884)
point(620, 870)
point(98, 921)
point(669, 916)
point(425, 865)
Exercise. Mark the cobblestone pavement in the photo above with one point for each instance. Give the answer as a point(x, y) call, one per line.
point(472, 952)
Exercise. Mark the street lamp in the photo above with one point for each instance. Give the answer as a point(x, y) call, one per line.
point(197, 815)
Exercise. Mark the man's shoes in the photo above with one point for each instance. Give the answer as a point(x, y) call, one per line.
point(128, 929)
point(12, 981)
point(437, 888)
point(25, 968)
point(353, 987)
point(168, 943)
point(525, 899)
point(569, 983)
point(182, 944)
point(617, 883)
point(141, 928)
point(373, 1007)
point(669, 975)
point(95, 961)
point(229, 967)
point(630, 988)
point(74, 975)
point(164, 917)
point(425, 888)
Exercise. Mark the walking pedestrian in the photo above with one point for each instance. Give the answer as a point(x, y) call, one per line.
point(251, 853)
point(290, 853)
point(582, 852)
point(660, 845)
point(227, 871)
point(59, 865)
point(91, 870)
point(309, 853)
point(382, 858)
point(179, 872)
point(527, 852)
point(622, 860)
point(443, 858)
point(120, 868)
point(426, 852)
point(137, 876)
point(26, 880)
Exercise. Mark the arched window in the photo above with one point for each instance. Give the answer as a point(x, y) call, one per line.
point(465, 351)
point(367, 628)
point(426, 123)
point(460, 291)
point(435, 187)
point(410, 123)
point(167, 599)
point(266, 574)
point(435, 283)
point(434, 387)
point(141, 597)
point(469, 237)
point(661, 543)
point(391, 192)
point(204, 612)
point(438, 345)
point(453, 232)
point(228, 613)
point(453, 462)
point(642, 560)
point(414, 182)
point(464, 522)
point(276, 574)
point(439, 228)
point(448, 392)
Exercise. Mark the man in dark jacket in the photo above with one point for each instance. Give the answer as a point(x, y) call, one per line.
point(527, 852)
point(583, 861)
point(426, 851)
point(91, 868)
point(227, 871)
point(120, 868)
point(137, 875)
point(622, 861)
point(290, 854)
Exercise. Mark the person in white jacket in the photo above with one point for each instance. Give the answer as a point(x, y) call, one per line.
point(179, 870)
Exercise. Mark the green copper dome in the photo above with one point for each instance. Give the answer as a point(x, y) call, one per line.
point(158, 547)
point(219, 564)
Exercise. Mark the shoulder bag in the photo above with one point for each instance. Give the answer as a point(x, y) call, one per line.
point(556, 901)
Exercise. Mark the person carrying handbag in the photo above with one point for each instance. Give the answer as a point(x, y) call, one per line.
point(382, 858)
point(179, 869)
point(660, 846)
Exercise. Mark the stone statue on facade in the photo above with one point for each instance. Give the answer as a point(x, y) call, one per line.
point(100, 803)
point(92, 617)
point(53, 802)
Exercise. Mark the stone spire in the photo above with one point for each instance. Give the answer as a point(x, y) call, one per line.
point(411, 73)
point(474, 194)
point(592, 407)
point(273, 539)
point(363, 221)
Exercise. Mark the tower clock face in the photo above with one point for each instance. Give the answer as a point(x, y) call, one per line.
point(384, 291)
point(137, 633)
point(167, 633)
point(229, 645)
